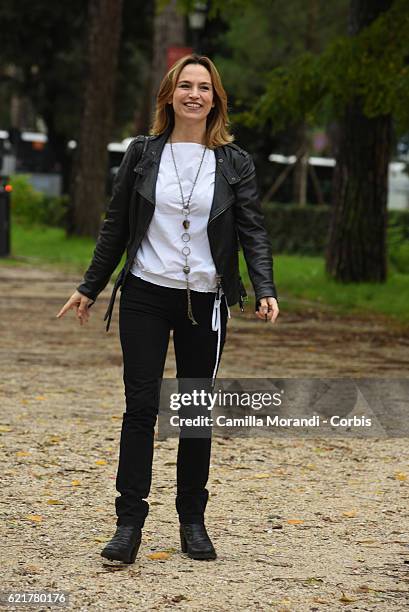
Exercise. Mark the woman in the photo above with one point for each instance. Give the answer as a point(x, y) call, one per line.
point(182, 199)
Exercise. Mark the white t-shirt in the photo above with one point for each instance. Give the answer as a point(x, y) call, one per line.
point(159, 258)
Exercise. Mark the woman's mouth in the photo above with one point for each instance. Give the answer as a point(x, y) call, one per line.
point(193, 105)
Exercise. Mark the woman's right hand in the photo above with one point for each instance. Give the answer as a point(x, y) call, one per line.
point(81, 303)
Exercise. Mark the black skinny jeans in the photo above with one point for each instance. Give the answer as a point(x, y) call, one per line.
point(147, 313)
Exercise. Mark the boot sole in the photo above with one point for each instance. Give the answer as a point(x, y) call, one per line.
point(113, 556)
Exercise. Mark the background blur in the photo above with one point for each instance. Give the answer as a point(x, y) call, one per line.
point(318, 94)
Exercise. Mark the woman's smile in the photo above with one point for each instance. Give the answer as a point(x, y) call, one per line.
point(193, 105)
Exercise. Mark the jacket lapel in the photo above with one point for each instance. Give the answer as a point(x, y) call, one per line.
point(148, 168)
point(225, 178)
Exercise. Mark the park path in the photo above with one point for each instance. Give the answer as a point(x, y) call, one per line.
point(299, 524)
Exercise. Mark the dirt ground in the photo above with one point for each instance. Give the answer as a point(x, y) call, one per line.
point(299, 524)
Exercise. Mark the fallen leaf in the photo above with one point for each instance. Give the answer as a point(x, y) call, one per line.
point(262, 475)
point(33, 569)
point(347, 599)
point(75, 483)
point(295, 521)
point(350, 513)
point(4, 428)
point(401, 476)
point(54, 502)
point(100, 462)
point(159, 556)
point(40, 398)
point(34, 517)
point(313, 580)
point(22, 454)
point(366, 541)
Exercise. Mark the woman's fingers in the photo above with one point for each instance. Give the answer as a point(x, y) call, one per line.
point(81, 304)
point(82, 310)
point(69, 304)
point(275, 312)
point(268, 309)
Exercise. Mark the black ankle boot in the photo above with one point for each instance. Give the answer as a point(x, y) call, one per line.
point(195, 541)
point(124, 545)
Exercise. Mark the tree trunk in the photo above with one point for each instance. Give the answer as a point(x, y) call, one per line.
point(356, 249)
point(168, 31)
point(91, 159)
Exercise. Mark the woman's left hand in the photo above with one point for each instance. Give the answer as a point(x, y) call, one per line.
point(268, 309)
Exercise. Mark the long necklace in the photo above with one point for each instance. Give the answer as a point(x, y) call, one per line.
point(185, 235)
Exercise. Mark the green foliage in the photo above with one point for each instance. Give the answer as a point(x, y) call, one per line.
point(303, 277)
point(297, 229)
point(265, 35)
point(398, 246)
point(30, 207)
point(216, 7)
point(44, 42)
point(309, 228)
point(372, 65)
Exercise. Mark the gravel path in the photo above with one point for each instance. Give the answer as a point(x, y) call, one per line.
point(298, 524)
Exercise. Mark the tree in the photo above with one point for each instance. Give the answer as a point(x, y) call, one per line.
point(262, 36)
point(46, 51)
point(357, 237)
point(89, 175)
point(362, 79)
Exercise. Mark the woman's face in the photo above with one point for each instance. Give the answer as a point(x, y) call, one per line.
point(193, 96)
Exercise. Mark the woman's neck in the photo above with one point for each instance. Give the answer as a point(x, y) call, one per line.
point(189, 133)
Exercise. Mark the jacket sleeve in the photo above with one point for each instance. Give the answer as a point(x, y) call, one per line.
point(114, 233)
point(252, 232)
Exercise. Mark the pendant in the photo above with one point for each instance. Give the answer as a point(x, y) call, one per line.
point(186, 224)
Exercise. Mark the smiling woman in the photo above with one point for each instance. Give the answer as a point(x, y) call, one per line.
point(183, 197)
point(192, 95)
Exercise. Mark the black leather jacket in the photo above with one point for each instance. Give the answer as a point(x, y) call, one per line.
point(235, 218)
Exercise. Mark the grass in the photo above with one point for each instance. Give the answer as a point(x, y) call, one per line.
point(41, 245)
point(296, 276)
point(304, 277)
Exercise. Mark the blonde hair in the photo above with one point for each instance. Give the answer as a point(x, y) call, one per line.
point(217, 132)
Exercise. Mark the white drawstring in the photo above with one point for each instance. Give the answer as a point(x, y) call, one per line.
point(217, 326)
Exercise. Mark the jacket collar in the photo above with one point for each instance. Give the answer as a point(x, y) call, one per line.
point(148, 167)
